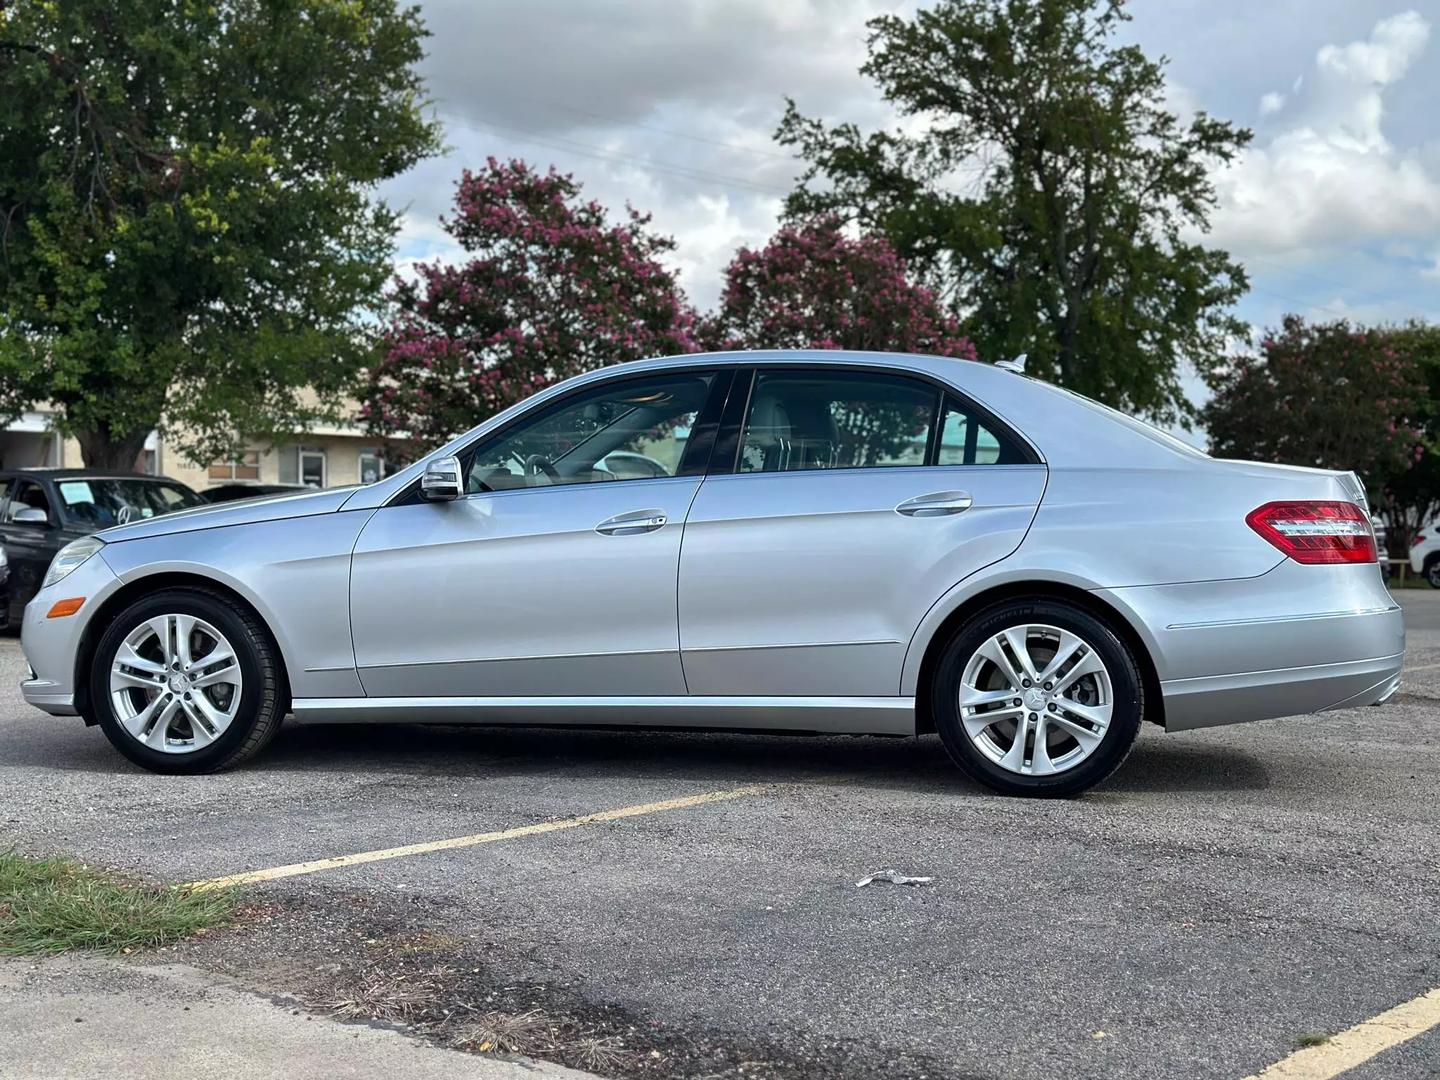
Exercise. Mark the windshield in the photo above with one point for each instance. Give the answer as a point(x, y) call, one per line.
point(99, 502)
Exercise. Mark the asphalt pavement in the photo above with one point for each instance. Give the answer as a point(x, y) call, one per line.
point(1228, 894)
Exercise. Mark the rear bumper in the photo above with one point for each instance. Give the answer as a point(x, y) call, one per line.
point(1299, 639)
point(1210, 701)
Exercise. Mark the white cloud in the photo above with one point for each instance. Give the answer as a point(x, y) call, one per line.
point(1331, 177)
point(1271, 103)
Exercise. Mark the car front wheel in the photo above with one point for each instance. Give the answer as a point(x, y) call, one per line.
point(187, 681)
point(1038, 697)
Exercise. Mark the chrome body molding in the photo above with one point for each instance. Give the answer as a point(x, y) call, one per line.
point(842, 715)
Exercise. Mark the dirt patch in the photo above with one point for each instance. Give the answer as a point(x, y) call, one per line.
point(358, 959)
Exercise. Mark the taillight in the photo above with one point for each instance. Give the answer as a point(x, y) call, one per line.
point(1419, 539)
point(1316, 532)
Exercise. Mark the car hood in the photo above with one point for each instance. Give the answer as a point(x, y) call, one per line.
point(271, 508)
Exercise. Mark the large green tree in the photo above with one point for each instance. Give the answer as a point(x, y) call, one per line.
point(189, 232)
point(1042, 184)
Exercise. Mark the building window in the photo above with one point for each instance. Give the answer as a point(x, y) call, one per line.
point(312, 467)
point(372, 467)
point(245, 467)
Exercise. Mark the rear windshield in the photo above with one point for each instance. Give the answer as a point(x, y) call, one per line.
point(1150, 431)
point(99, 502)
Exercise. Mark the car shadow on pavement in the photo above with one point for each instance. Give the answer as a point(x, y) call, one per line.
point(912, 764)
point(920, 765)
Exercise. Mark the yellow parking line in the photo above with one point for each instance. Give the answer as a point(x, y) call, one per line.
point(295, 869)
point(1358, 1044)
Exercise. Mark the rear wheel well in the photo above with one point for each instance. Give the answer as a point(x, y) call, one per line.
point(1036, 590)
point(125, 596)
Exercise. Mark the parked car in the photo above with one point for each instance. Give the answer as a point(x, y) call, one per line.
point(1382, 545)
point(230, 492)
point(872, 544)
point(1425, 553)
point(42, 510)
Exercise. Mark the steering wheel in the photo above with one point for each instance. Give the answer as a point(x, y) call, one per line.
point(536, 464)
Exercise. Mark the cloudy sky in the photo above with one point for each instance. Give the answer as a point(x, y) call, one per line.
point(670, 104)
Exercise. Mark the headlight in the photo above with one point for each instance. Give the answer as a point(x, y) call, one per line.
point(70, 557)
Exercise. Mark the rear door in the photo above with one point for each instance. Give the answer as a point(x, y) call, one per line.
point(841, 504)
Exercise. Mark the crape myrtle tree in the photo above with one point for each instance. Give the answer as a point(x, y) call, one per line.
point(1332, 396)
point(813, 287)
point(552, 287)
point(189, 234)
point(1043, 186)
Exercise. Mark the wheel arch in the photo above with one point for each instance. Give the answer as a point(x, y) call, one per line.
point(1029, 588)
point(138, 588)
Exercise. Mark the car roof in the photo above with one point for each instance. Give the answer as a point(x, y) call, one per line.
point(44, 473)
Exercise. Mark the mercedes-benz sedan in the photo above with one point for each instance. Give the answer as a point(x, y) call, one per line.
point(859, 543)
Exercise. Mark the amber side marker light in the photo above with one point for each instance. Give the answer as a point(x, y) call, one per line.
point(61, 608)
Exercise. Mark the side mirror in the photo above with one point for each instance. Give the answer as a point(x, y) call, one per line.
point(31, 515)
point(443, 480)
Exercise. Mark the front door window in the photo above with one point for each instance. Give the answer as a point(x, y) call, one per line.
point(633, 430)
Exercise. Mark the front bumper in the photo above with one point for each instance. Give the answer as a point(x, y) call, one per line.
point(1299, 639)
point(52, 645)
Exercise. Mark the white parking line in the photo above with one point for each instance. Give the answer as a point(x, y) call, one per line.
point(1357, 1045)
point(296, 869)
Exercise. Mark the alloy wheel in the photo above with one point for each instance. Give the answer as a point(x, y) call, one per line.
point(1036, 700)
point(175, 683)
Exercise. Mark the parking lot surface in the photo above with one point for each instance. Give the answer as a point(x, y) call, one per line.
point(1229, 893)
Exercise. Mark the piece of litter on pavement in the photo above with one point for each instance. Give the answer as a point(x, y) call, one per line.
point(894, 877)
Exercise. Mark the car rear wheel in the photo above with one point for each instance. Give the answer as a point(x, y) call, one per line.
point(1432, 572)
point(1038, 697)
point(187, 681)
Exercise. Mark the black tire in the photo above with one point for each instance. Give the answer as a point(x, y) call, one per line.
point(1432, 571)
point(1128, 705)
point(263, 697)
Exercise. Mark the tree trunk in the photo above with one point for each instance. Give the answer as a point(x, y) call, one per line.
point(101, 450)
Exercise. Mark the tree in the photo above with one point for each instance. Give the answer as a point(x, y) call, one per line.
point(812, 287)
point(1411, 495)
point(1327, 395)
point(189, 238)
point(553, 287)
point(1044, 188)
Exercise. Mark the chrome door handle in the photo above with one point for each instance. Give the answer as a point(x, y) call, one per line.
point(936, 504)
point(636, 521)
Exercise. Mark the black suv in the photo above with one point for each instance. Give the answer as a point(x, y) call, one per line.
point(42, 510)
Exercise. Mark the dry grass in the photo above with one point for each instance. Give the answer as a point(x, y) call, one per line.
point(388, 995)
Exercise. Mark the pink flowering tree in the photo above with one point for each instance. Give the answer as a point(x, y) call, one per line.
point(813, 287)
point(552, 286)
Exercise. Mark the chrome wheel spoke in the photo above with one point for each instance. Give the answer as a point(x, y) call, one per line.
point(972, 698)
point(1089, 665)
point(156, 737)
point(993, 652)
point(1069, 646)
point(1097, 715)
point(1040, 763)
point(975, 723)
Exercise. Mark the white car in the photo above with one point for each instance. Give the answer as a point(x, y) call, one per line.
point(1425, 553)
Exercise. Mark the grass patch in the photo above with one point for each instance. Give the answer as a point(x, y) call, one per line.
point(1311, 1038)
point(58, 904)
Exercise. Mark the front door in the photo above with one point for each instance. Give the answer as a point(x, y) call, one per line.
point(555, 575)
point(855, 500)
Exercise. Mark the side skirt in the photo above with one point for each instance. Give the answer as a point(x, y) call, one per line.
point(839, 715)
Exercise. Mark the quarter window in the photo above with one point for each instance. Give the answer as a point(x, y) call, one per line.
point(966, 440)
point(634, 430)
point(836, 420)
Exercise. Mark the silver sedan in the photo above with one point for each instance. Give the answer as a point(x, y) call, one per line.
point(820, 541)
